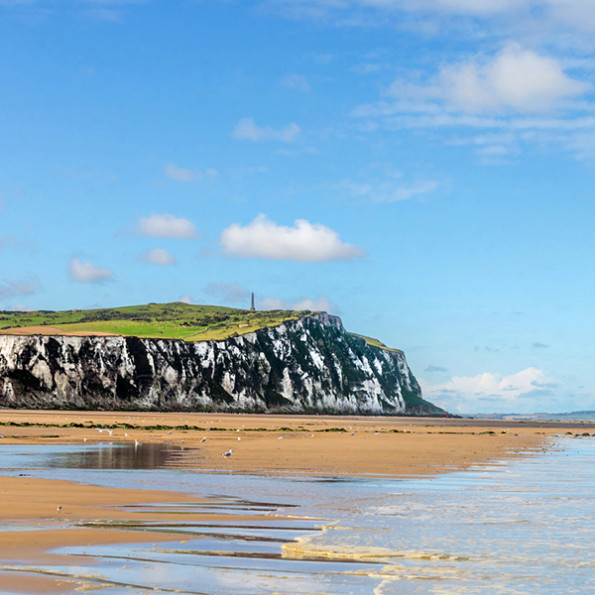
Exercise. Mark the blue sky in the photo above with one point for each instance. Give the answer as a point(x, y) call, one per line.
point(424, 169)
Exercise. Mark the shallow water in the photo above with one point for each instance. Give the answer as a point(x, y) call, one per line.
point(522, 526)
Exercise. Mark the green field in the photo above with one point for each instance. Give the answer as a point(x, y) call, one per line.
point(157, 321)
point(164, 321)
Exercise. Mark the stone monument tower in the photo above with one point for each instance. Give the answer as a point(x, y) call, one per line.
point(252, 308)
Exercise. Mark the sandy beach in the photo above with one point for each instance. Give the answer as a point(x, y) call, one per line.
point(294, 445)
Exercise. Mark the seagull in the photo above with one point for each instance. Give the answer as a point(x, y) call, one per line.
point(204, 439)
point(59, 509)
point(228, 453)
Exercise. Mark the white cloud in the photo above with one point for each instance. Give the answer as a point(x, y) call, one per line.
point(182, 174)
point(305, 242)
point(158, 256)
point(515, 78)
point(576, 13)
point(166, 226)
point(510, 101)
point(86, 272)
point(247, 129)
point(295, 82)
point(185, 299)
point(524, 392)
point(321, 304)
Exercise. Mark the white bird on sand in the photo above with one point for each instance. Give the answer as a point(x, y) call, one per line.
point(228, 453)
point(204, 439)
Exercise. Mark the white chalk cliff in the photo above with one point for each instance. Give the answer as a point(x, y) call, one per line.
point(307, 365)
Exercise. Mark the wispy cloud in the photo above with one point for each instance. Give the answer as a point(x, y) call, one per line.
point(304, 241)
point(322, 303)
point(87, 272)
point(247, 129)
point(295, 82)
point(231, 293)
point(166, 226)
point(473, 18)
point(10, 289)
point(388, 191)
point(183, 174)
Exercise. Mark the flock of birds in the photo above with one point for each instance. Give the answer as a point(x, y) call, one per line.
point(137, 443)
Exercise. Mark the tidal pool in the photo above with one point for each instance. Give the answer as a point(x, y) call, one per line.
point(521, 526)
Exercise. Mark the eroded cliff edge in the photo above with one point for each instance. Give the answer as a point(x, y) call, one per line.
point(309, 365)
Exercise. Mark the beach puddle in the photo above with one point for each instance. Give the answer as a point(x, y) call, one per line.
point(119, 456)
point(524, 526)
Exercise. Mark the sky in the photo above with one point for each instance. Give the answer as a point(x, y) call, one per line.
point(422, 168)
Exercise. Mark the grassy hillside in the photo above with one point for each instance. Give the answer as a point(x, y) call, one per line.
point(164, 321)
point(376, 343)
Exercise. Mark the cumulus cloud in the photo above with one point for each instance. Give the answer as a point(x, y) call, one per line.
point(304, 241)
point(515, 79)
point(183, 174)
point(87, 272)
point(524, 392)
point(247, 129)
point(232, 293)
point(158, 256)
point(166, 226)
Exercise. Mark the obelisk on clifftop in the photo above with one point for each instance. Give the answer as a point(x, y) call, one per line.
point(252, 308)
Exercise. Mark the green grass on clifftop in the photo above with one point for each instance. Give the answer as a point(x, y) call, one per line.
point(164, 321)
point(376, 343)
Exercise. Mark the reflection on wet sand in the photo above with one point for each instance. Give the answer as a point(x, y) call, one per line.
point(525, 526)
point(137, 455)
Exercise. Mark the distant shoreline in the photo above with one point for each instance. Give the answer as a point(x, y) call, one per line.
point(320, 444)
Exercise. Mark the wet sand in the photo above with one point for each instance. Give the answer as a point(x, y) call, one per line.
point(310, 445)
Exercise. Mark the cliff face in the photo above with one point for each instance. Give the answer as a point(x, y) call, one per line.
point(307, 365)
